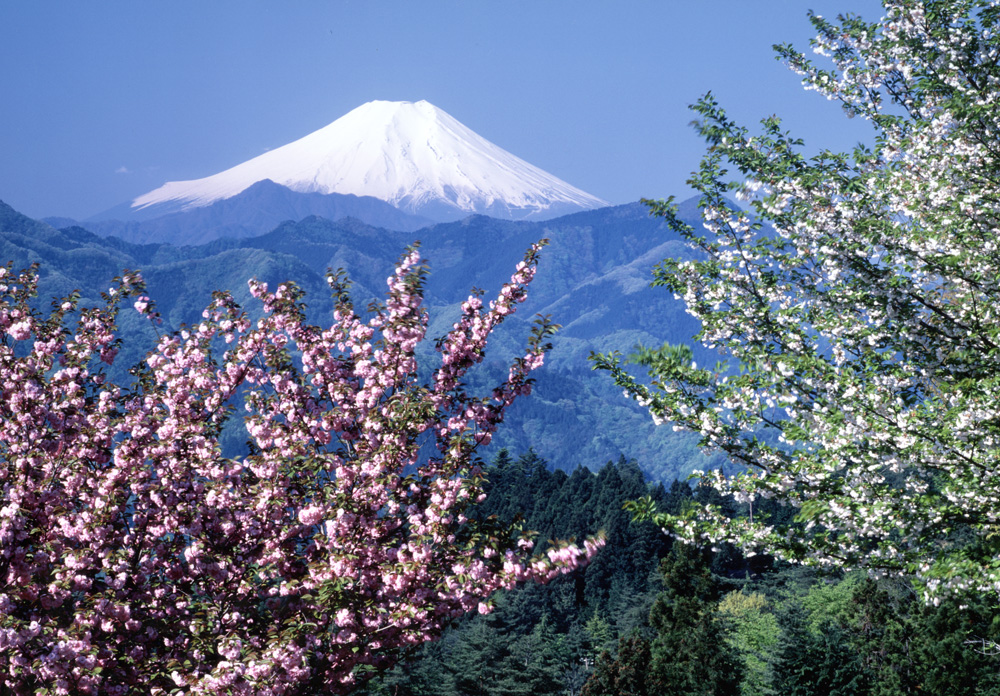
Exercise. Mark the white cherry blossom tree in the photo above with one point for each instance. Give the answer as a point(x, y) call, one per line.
point(857, 302)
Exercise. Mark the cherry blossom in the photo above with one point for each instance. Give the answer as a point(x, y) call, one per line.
point(136, 558)
point(857, 307)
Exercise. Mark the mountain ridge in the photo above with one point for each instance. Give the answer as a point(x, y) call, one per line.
point(250, 213)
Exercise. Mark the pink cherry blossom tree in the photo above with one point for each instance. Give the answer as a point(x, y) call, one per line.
point(135, 558)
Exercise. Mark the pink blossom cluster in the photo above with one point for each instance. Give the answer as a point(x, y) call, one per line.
point(135, 558)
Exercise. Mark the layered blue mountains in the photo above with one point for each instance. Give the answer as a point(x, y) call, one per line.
point(593, 280)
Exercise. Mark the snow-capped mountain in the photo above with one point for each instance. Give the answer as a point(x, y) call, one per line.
point(410, 154)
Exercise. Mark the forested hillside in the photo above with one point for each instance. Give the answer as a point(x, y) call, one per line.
point(649, 617)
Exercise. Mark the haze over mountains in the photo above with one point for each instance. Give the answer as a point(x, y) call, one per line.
point(593, 280)
point(257, 210)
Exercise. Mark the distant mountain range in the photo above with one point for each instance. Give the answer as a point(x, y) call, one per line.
point(256, 210)
point(593, 280)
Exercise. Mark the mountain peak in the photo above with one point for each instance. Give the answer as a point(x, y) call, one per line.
point(410, 154)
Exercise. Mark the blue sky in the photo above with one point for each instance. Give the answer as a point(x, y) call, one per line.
point(101, 102)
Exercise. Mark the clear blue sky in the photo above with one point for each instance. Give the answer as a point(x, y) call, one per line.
point(103, 101)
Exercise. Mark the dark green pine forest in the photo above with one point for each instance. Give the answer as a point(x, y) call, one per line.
point(651, 617)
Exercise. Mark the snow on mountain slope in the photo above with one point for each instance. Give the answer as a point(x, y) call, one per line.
point(412, 155)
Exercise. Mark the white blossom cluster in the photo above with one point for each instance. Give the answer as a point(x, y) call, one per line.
point(859, 298)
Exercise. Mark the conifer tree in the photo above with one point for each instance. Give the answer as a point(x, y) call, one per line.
point(626, 674)
point(690, 654)
point(815, 663)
